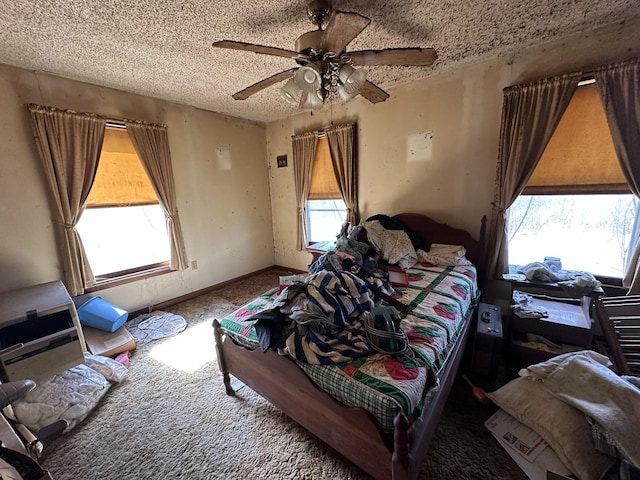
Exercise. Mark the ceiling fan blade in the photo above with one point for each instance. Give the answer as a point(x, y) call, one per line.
point(262, 84)
point(342, 28)
point(250, 47)
point(373, 93)
point(404, 57)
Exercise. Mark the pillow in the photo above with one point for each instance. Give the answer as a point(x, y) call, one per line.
point(444, 255)
point(563, 427)
point(70, 395)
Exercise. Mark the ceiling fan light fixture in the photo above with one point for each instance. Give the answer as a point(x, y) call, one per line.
point(352, 79)
point(346, 95)
point(312, 100)
point(308, 78)
point(290, 91)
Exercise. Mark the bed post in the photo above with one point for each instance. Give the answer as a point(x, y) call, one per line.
point(221, 363)
point(401, 458)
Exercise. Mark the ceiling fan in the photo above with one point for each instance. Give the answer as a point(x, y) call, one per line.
point(325, 70)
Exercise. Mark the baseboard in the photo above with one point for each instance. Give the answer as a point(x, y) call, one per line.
point(217, 286)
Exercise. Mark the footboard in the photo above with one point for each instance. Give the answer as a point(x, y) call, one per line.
point(352, 432)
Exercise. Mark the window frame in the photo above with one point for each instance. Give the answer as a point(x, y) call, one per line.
point(518, 243)
point(577, 189)
point(127, 276)
point(121, 277)
point(311, 242)
point(322, 188)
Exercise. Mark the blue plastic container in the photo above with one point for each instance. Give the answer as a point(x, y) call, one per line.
point(98, 313)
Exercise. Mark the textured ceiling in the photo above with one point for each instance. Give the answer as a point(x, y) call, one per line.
point(162, 48)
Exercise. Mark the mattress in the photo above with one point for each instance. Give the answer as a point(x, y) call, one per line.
point(440, 299)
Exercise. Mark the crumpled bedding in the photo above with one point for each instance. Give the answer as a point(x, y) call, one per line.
point(440, 300)
point(394, 246)
point(582, 380)
point(576, 284)
point(70, 395)
point(523, 305)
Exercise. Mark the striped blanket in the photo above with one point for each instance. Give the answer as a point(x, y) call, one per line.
point(323, 318)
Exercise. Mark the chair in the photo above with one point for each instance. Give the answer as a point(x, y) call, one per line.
point(619, 319)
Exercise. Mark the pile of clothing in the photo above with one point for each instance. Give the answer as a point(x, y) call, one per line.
point(318, 321)
point(574, 283)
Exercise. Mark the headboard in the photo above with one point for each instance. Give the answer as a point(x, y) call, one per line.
point(435, 232)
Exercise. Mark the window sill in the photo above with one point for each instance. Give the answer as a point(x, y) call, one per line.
point(105, 282)
point(324, 246)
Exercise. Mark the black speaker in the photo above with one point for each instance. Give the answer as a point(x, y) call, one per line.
point(487, 345)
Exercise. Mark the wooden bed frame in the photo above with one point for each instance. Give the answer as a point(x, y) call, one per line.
point(353, 431)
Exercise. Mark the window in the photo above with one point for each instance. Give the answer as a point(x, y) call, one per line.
point(324, 219)
point(587, 232)
point(577, 205)
point(326, 211)
point(123, 228)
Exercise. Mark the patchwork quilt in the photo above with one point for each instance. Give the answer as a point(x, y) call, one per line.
point(439, 299)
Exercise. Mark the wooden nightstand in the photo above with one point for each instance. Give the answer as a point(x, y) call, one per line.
point(568, 324)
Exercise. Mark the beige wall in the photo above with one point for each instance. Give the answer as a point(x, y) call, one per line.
point(461, 110)
point(233, 214)
point(224, 206)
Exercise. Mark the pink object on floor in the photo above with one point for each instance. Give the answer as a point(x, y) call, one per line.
point(123, 358)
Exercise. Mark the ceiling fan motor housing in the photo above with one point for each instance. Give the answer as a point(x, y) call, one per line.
point(318, 11)
point(309, 41)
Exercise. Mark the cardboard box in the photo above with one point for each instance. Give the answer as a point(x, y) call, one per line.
point(109, 344)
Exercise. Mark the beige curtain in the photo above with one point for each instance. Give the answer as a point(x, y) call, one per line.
point(619, 88)
point(69, 145)
point(304, 151)
point(342, 144)
point(530, 114)
point(152, 145)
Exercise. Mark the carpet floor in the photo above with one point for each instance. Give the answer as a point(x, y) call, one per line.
point(171, 419)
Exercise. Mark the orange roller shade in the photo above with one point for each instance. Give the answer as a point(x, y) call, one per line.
point(120, 179)
point(323, 179)
point(580, 157)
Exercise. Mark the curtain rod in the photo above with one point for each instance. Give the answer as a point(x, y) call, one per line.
point(322, 132)
point(116, 122)
point(587, 73)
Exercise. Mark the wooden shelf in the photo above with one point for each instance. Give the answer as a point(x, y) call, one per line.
point(568, 323)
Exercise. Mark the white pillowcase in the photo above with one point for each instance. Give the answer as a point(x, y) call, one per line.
point(444, 255)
